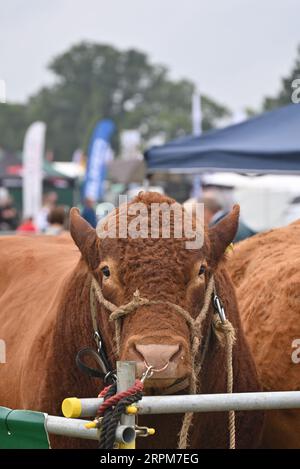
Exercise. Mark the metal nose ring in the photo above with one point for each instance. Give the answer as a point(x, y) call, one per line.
point(156, 370)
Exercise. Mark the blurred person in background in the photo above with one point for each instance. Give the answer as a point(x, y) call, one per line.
point(89, 213)
point(292, 212)
point(215, 210)
point(49, 202)
point(27, 227)
point(8, 213)
point(56, 221)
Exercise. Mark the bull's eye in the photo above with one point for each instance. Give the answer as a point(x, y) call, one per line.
point(105, 270)
point(202, 270)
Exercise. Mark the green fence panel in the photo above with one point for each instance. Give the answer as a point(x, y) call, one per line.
point(23, 429)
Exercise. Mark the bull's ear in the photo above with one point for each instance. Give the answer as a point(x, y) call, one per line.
point(85, 237)
point(222, 234)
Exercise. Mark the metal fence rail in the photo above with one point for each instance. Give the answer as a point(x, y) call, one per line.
point(74, 407)
point(74, 427)
point(70, 427)
point(127, 430)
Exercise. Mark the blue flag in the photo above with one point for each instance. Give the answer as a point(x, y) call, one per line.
point(98, 156)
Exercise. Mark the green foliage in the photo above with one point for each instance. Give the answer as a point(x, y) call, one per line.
point(95, 81)
point(286, 90)
point(13, 123)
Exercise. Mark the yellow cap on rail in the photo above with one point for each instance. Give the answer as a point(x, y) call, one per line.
point(71, 407)
point(90, 425)
point(131, 410)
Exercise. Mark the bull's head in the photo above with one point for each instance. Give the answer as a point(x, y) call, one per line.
point(161, 269)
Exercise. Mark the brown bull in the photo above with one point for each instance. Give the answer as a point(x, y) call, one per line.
point(266, 272)
point(46, 319)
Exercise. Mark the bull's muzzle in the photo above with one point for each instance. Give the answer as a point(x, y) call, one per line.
point(167, 361)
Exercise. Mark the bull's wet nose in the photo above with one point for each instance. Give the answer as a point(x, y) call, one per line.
point(158, 355)
point(169, 361)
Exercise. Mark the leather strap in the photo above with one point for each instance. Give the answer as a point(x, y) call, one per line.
point(102, 372)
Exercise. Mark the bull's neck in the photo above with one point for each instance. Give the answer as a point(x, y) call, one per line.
point(73, 331)
point(74, 315)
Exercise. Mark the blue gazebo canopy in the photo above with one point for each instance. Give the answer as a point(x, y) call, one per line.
point(268, 143)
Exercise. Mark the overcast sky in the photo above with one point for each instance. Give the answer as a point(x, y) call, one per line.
point(235, 50)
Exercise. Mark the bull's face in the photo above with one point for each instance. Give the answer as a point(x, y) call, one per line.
point(164, 270)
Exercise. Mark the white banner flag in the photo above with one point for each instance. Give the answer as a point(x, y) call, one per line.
point(33, 152)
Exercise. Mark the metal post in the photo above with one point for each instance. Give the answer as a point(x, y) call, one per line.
point(126, 372)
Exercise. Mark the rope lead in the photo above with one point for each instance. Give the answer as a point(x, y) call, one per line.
point(112, 408)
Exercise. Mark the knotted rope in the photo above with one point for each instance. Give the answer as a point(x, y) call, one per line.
point(117, 312)
point(113, 400)
point(222, 329)
point(225, 329)
point(113, 407)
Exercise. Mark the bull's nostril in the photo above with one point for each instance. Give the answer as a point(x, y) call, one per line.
point(137, 352)
point(178, 354)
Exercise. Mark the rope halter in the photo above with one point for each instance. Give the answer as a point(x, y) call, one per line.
point(222, 327)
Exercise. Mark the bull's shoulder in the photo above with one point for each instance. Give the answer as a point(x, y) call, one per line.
point(33, 275)
point(13, 246)
point(267, 252)
point(266, 272)
point(33, 255)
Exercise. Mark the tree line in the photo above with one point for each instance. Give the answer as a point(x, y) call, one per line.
point(93, 81)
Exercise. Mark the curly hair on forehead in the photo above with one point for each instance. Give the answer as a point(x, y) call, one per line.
point(151, 212)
